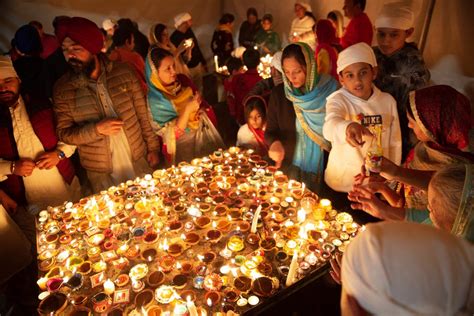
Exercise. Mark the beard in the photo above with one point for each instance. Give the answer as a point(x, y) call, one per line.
point(81, 67)
point(8, 98)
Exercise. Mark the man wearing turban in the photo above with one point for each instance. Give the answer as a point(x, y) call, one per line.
point(101, 108)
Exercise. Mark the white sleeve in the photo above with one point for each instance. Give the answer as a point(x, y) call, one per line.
point(335, 124)
point(4, 169)
point(68, 150)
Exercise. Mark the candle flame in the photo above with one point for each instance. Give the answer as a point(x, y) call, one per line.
point(209, 302)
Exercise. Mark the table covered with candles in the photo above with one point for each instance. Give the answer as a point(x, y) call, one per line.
point(223, 232)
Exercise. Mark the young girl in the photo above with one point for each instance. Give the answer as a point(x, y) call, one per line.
point(251, 135)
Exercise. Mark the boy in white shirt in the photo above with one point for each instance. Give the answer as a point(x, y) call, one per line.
point(349, 112)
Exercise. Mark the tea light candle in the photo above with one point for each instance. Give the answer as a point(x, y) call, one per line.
point(253, 228)
point(290, 279)
point(301, 215)
point(191, 307)
point(109, 287)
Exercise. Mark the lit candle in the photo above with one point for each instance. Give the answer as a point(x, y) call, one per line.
point(109, 287)
point(216, 63)
point(253, 228)
point(290, 279)
point(191, 307)
point(301, 215)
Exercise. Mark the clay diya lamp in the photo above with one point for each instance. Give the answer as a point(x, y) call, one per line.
point(179, 208)
point(290, 212)
point(85, 268)
point(261, 164)
point(263, 286)
point(50, 239)
point(54, 284)
point(138, 233)
point(149, 254)
point(231, 295)
point(175, 249)
point(109, 245)
point(202, 222)
point(150, 238)
point(174, 194)
point(213, 235)
point(155, 279)
point(81, 311)
point(212, 298)
point(175, 226)
point(143, 299)
point(208, 257)
point(122, 280)
point(191, 238)
point(166, 263)
point(314, 235)
point(254, 158)
point(101, 302)
point(268, 243)
point(180, 281)
point(53, 304)
point(243, 283)
point(188, 295)
point(235, 214)
point(213, 282)
point(132, 252)
point(45, 265)
point(223, 225)
point(239, 202)
point(186, 267)
point(221, 209)
point(243, 226)
point(265, 268)
point(253, 239)
point(281, 256)
point(204, 207)
point(201, 269)
point(219, 199)
point(65, 239)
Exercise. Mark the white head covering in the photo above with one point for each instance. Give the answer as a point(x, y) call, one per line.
point(357, 53)
point(395, 15)
point(304, 4)
point(108, 24)
point(400, 268)
point(238, 52)
point(181, 18)
point(6, 68)
point(276, 61)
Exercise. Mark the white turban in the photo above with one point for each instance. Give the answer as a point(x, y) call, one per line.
point(6, 68)
point(395, 15)
point(181, 18)
point(276, 61)
point(304, 4)
point(401, 268)
point(108, 24)
point(357, 53)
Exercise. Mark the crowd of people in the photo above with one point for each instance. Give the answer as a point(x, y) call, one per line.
point(88, 108)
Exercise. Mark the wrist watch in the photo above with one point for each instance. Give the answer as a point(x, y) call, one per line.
point(61, 155)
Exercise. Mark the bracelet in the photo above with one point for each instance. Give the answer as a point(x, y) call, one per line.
point(12, 167)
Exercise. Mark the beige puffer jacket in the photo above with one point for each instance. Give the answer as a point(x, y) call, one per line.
point(78, 110)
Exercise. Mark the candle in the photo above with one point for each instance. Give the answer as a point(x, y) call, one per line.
point(253, 228)
point(290, 279)
point(301, 215)
point(191, 307)
point(216, 63)
point(109, 287)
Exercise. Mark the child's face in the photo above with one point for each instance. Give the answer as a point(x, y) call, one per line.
point(266, 25)
point(416, 129)
point(255, 119)
point(391, 40)
point(357, 78)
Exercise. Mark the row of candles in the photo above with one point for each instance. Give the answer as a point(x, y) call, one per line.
point(229, 204)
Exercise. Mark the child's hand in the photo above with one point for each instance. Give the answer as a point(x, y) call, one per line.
point(355, 134)
point(276, 152)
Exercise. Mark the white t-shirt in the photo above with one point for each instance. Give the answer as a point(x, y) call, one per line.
point(246, 139)
point(343, 108)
